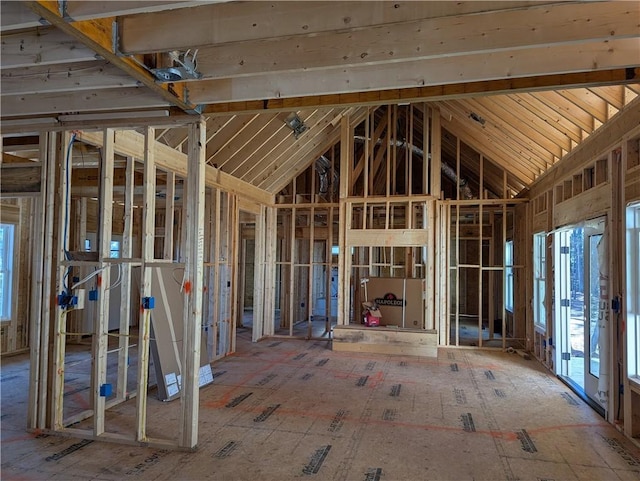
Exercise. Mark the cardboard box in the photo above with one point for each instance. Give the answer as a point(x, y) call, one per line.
point(400, 301)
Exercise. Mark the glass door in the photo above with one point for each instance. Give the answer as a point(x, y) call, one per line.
point(580, 305)
point(595, 287)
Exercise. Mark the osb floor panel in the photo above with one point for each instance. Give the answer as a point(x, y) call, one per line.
point(287, 410)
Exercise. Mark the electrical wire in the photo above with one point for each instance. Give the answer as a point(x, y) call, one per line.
point(118, 280)
point(180, 283)
point(67, 207)
point(88, 278)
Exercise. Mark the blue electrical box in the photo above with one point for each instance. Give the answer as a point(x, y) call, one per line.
point(148, 302)
point(105, 390)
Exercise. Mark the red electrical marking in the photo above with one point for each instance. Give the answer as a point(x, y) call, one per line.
point(187, 287)
point(99, 280)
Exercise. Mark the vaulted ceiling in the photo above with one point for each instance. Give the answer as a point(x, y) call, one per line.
point(520, 82)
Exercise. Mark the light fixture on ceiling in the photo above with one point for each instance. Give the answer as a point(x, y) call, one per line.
point(477, 118)
point(296, 124)
point(184, 67)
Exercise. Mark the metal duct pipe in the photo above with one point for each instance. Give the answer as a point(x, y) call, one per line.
point(446, 169)
point(323, 166)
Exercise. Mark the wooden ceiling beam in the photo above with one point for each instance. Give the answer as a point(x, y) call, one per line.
point(97, 74)
point(425, 72)
point(243, 21)
point(458, 36)
point(82, 101)
point(16, 15)
point(98, 36)
point(434, 92)
point(42, 46)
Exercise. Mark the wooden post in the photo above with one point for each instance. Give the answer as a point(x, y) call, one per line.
point(492, 276)
point(391, 129)
point(270, 270)
point(365, 157)
point(504, 270)
point(216, 300)
point(292, 269)
point(258, 276)
point(125, 291)
point(60, 321)
point(148, 237)
point(343, 274)
point(480, 260)
point(436, 152)
point(101, 322)
point(429, 223)
point(38, 325)
point(231, 239)
point(458, 243)
point(194, 274)
point(426, 157)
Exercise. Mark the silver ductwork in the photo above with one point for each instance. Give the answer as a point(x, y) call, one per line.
point(446, 169)
point(323, 167)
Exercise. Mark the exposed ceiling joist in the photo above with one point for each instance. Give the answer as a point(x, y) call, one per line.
point(97, 34)
point(432, 93)
point(16, 15)
point(68, 77)
point(412, 41)
point(43, 46)
point(530, 63)
point(246, 21)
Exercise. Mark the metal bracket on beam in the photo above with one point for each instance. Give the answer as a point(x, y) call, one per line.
point(115, 39)
point(62, 8)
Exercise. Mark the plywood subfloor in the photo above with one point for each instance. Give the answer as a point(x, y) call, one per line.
point(289, 410)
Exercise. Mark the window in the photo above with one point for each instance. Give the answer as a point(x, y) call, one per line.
point(115, 249)
point(7, 233)
point(633, 290)
point(539, 281)
point(508, 270)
